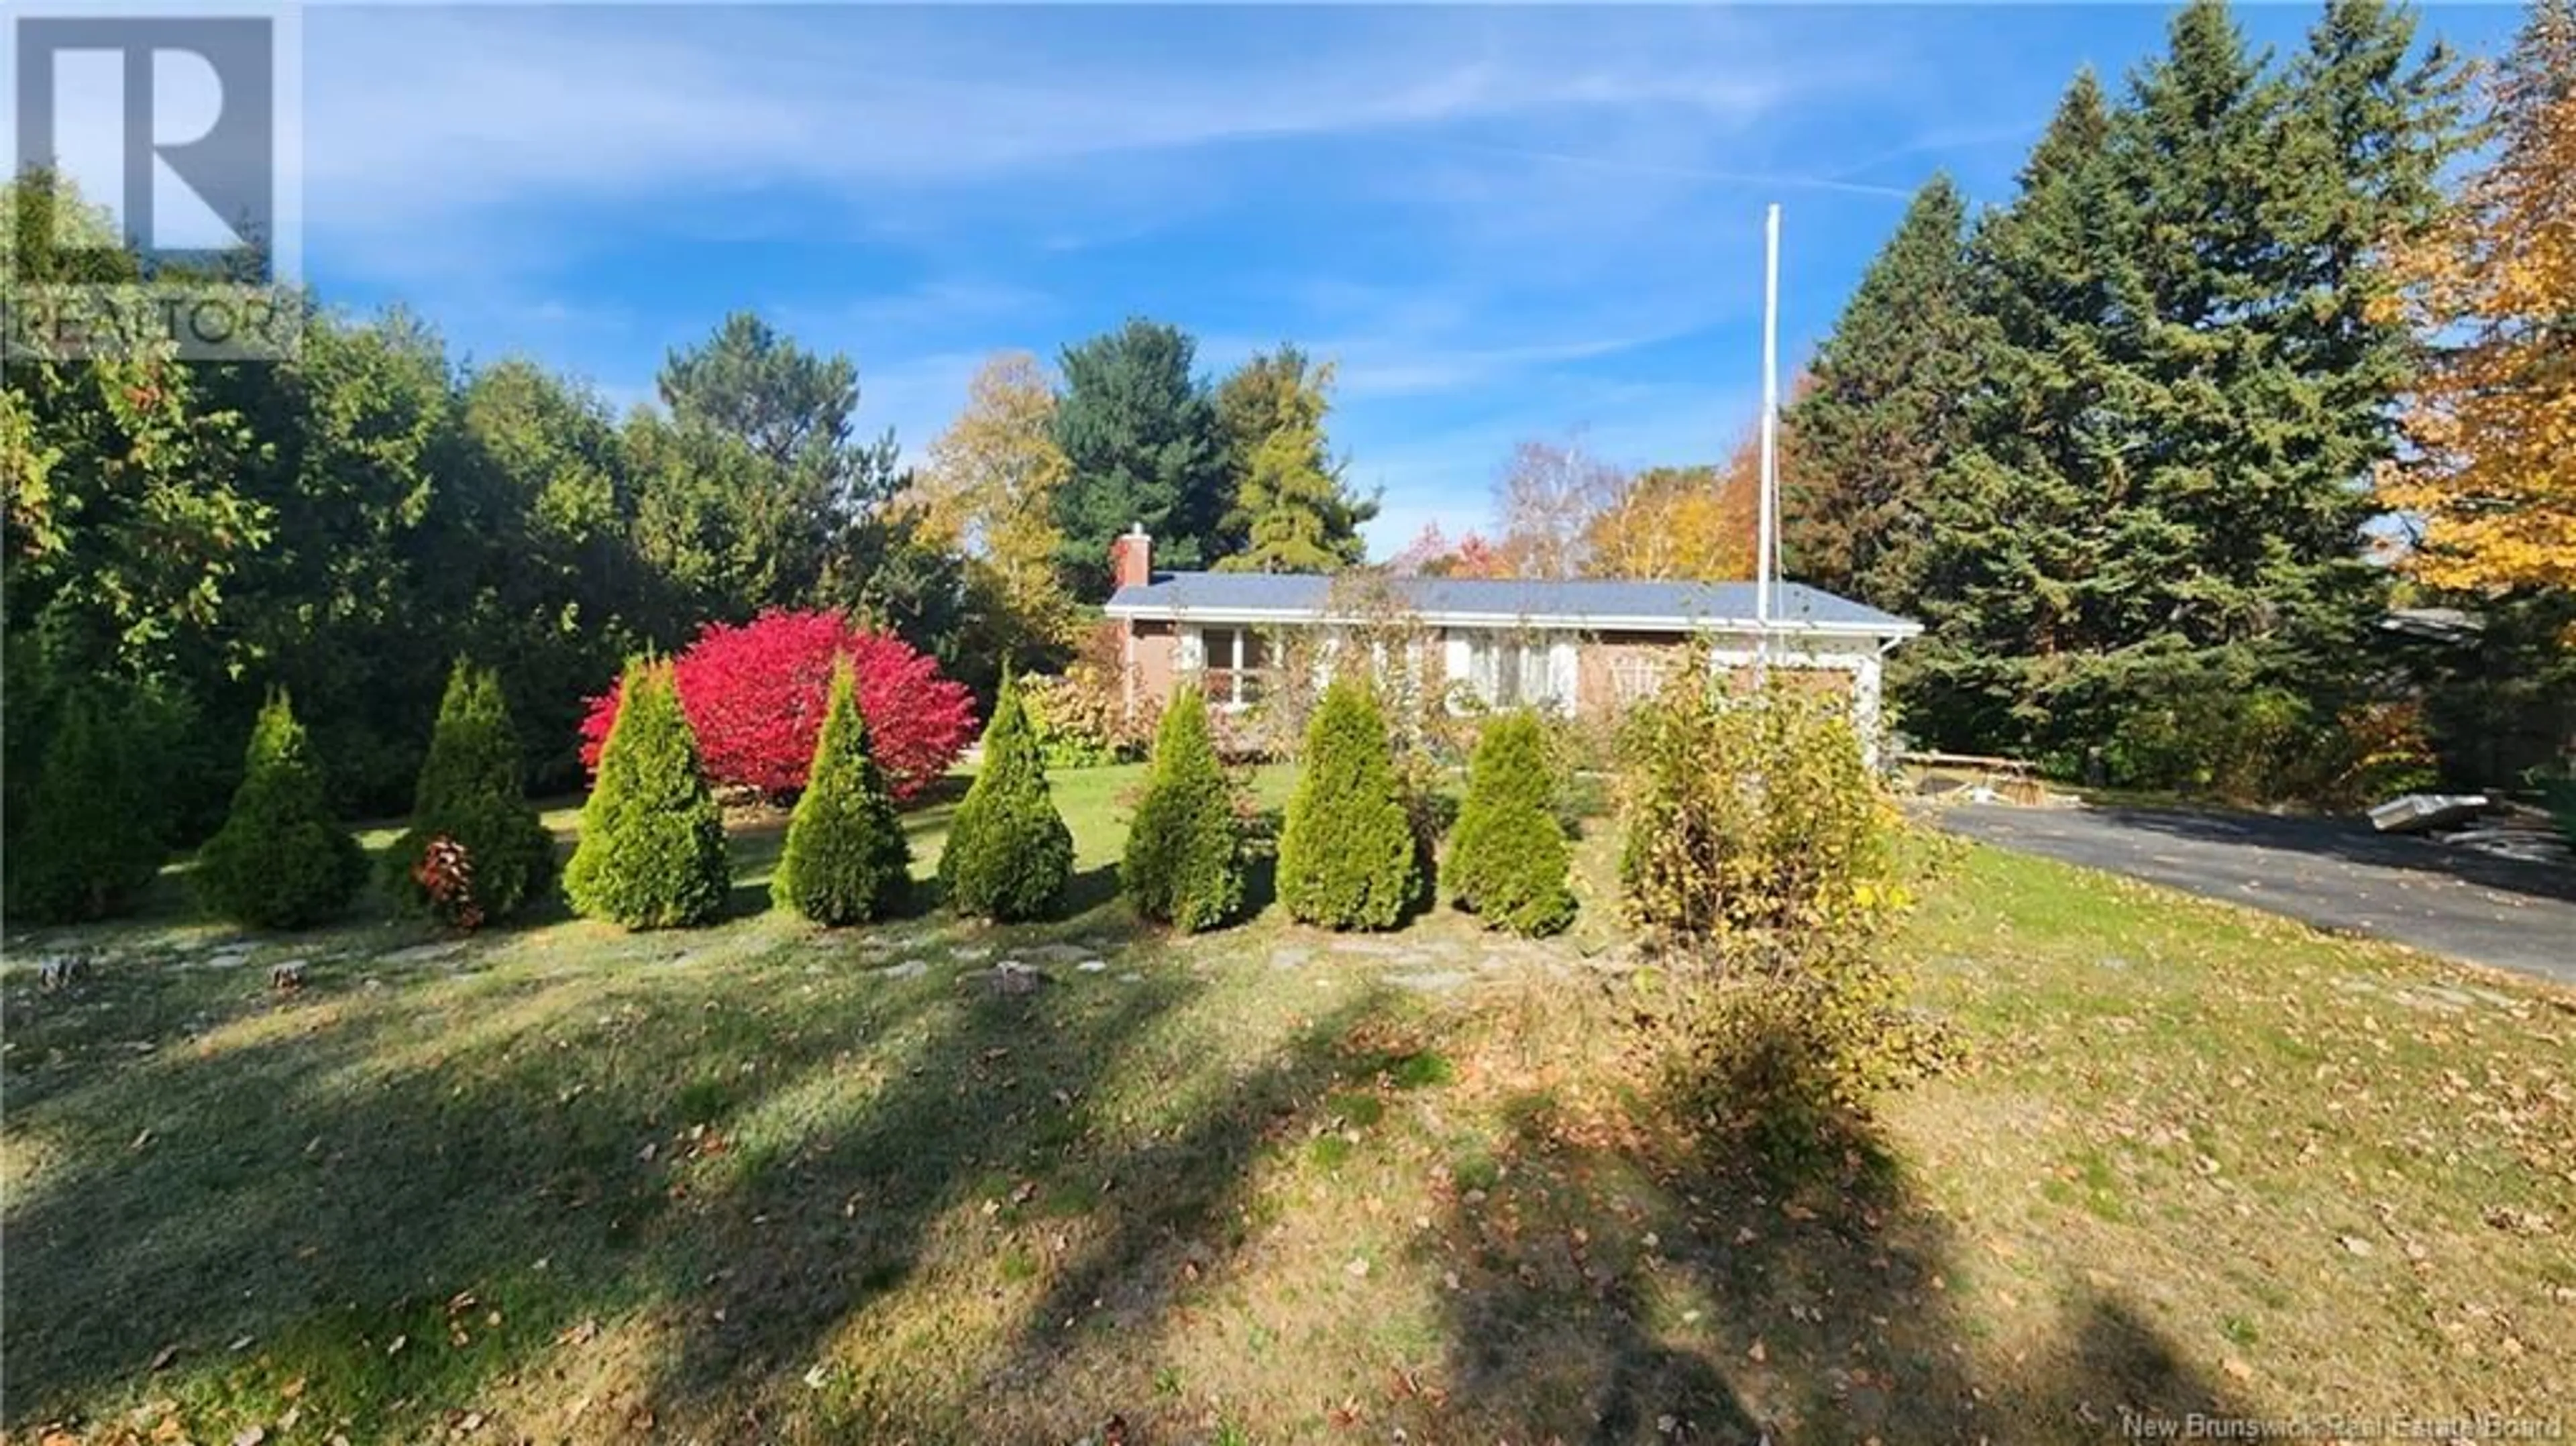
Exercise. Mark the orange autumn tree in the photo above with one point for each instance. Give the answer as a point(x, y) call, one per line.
point(2492, 471)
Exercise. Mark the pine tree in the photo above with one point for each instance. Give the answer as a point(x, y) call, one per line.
point(1008, 852)
point(846, 859)
point(281, 861)
point(652, 851)
point(1140, 439)
point(1885, 410)
point(1507, 857)
point(1184, 863)
point(94, 838)
point(470, 794)
point(1348, 858)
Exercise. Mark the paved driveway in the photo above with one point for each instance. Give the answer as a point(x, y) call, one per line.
point(2327, 872)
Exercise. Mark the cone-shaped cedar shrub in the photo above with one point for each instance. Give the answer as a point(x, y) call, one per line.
point(1507, 858)
point(1008, 851)
point(94, 833)
point(1184, 864)
point(652, 850)
point(281, 861)
point(470, 794)
point(846, 861)
point(1347, 854)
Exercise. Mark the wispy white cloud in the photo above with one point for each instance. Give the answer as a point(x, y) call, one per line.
point(422, 112)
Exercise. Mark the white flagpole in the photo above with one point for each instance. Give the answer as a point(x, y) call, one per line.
point(1766, 540)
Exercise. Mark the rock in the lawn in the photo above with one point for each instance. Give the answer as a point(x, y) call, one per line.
point(1011, 977)
point(286, 974)
point(59, 970)
point(1093, 966)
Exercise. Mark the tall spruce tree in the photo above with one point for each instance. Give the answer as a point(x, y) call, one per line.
point(1885, 410)
point(2017, 523)
point(1290, 504)
point(2148, 550)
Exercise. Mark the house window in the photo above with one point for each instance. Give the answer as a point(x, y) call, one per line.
point(1235, 663)
point(1508, 671)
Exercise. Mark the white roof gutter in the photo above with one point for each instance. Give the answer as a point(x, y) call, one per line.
point(1599, 622)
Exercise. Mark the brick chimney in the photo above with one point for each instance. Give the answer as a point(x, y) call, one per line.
point(1131, 558)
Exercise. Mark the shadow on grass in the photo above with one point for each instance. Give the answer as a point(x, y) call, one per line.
point(1086, 890)
point(402, 1214)
point(1618, 1281)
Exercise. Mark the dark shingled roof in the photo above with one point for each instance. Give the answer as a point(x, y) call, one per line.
point(1577, 602)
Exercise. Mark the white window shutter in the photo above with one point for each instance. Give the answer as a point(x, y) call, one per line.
point(1562, 673)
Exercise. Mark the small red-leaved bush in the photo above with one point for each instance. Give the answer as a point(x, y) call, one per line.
point(756, 693)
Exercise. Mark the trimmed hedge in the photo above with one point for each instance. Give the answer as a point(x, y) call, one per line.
point(470, 794)
point(846, 859)
point(94, 835)
point(1008, 852)
point(1184, 863)
point(1348, 855)
point(652, 852)
point(281, 860)
point(1508, 858)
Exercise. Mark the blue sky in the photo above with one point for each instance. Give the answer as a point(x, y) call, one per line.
point(1499, 222)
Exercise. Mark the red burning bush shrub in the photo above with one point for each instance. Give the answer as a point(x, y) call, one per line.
point(755, 695)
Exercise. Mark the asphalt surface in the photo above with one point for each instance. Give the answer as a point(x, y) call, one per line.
point(2331, 873)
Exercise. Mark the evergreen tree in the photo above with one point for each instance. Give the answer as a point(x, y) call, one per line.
point(1140, 435)
point(2243, 461)
point(846, 859)
point(1348, 858)
point(1290, 504)
point(470, 794)
point(652, 850)
point(281, 861)
point(94, 838)
point(2147, 550)
point(2019, 521)
point(1885, 410)
point(1008, 852)
point(1508, 857)
point(1184, 863)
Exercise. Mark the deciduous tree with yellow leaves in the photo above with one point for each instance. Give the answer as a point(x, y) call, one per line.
point(2491, 476)
point(990, 489)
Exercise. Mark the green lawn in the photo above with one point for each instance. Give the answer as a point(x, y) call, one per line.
point(766, 1182)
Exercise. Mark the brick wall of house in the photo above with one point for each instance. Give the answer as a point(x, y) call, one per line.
point(1603, 660)
point(1153, 661)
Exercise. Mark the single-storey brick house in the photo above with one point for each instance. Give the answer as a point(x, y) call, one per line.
point(1582, 646)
